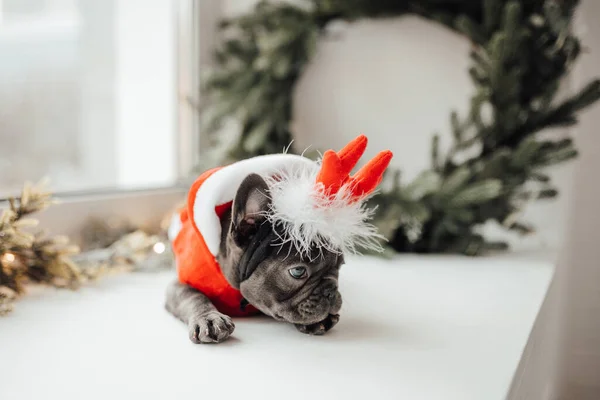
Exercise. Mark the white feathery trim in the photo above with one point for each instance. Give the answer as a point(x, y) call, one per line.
point(222, 185)
point(311, 219)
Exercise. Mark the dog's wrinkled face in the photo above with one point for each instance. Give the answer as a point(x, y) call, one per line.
point(295, 290)
point(273, 277)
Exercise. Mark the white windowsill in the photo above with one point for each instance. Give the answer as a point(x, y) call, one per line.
point(416, 327)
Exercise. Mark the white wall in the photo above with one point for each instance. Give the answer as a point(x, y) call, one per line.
point(579, 271)
point(562, 359)
point(397, 80)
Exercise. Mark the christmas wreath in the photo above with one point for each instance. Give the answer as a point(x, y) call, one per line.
point(521, 50)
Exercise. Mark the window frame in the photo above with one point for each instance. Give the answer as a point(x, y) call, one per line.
point(194, 36)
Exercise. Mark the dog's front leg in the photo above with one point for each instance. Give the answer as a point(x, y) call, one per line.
point(206, 324)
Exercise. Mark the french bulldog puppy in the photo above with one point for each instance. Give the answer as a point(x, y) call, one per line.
point(272, 277)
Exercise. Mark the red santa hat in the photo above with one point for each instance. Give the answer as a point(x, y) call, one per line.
point(315, 203)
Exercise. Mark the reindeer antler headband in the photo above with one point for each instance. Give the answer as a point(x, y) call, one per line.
point(325, 206)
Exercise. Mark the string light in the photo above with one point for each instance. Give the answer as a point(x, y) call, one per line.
point(8, 258)
point(159, 248)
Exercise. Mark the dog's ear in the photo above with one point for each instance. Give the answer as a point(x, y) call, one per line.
point(250, 206)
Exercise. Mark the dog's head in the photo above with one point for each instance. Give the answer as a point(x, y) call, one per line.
point(272, 276)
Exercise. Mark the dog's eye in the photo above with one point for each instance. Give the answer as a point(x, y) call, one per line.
point(298, 272)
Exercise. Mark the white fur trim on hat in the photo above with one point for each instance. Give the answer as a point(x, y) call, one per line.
point(310, 218)
point(222, 185)
point(299, 207)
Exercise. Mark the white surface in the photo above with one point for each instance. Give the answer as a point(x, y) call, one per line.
point(412, 328)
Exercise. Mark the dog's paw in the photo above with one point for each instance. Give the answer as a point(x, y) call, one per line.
point(212, 327)
point(320, 327)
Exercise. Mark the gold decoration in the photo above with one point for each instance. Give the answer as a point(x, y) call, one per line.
point(35, 257)
point(32, 256)
point(136, 251)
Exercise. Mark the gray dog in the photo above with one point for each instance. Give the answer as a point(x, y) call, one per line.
point(272, 277)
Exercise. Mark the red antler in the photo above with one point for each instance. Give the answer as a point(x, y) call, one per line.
point(369, 176)
point(352, 152)
point(336, 167)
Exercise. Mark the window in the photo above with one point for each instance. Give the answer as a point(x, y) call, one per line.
point(89, 93)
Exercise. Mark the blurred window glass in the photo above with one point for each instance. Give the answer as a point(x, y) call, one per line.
point(88, 94)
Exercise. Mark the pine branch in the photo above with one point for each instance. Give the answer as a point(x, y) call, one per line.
point(26, 256)
point(521, 51)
